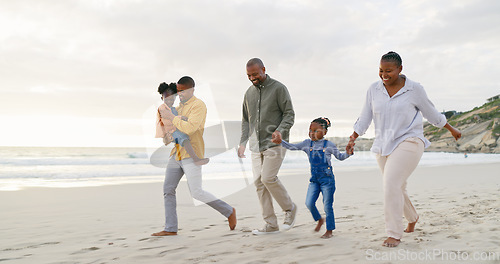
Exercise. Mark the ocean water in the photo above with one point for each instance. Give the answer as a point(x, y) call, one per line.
point(22, 167)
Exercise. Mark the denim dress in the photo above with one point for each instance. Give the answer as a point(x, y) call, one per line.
point(178, 136)
point(322, 181)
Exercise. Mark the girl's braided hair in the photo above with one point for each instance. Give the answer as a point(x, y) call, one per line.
point(172, 87)
point(323, 121)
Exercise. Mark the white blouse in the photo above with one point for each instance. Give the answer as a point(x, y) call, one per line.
point(398, 117)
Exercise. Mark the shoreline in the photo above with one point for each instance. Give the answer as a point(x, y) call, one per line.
point(458, 208)
point(18, 184)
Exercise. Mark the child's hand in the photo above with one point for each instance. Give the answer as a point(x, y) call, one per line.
point(349, 150)
point(276, 137)
point(167, 138)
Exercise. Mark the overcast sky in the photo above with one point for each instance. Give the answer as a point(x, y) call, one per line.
point(85, 73)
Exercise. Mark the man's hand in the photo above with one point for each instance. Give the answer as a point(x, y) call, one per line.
point(276, 137)
point(241, 152)
point(166, 112)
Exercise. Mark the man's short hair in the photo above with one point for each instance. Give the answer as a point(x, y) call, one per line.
point(186, 80)
point(255, 61)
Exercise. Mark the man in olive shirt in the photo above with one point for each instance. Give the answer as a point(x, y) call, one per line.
point(267, 113)
point(181, 163)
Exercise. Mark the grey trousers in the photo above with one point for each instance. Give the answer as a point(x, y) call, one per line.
point(175, 171)
point(265, 167)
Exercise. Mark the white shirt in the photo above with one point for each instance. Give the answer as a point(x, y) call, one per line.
point(398, 117)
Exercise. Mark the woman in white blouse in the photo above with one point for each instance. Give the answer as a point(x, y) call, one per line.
point(396, 105)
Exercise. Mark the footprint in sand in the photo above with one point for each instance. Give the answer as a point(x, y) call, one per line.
point(164, 252)
point(148, 248)
point(246, 229)
point(245, 217)
point(308, 246)
point(85, 250)
point(32, 246)
point(232, 234)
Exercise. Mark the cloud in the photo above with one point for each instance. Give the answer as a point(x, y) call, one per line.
point(106, 58)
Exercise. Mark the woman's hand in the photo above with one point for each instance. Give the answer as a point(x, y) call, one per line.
point(454, 132)
point(350, 145)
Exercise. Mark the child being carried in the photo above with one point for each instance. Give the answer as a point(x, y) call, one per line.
point(165, 128)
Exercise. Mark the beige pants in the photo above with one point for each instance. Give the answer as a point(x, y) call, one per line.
point(396, 168)
point(265, 167)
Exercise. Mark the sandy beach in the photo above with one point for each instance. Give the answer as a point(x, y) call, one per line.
point(459, 209)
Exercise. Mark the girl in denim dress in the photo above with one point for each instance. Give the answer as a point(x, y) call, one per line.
point(319, 151)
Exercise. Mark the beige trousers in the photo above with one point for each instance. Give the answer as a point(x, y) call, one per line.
point(265, 167)
point(396, 168)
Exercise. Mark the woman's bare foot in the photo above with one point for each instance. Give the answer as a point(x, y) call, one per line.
point(411, 227)
point(164, 233)
point(391, 242)
point(320, 223)
point(327, 234)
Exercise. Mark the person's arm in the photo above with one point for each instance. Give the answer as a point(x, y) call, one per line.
point(245, 130)
point(333, 150)
point(159, 126)
point(432, 115)
point(365, 118)
point(195, 119)
point(363, 123)
point(299, 146)
point(285, 105)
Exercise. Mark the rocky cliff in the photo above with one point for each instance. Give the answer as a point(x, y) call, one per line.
point(480, 129)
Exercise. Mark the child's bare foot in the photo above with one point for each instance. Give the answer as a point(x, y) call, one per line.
point(391, 242)
point(327, 234)
point(320, 223)
point(201, 162)
point(411, 227)
point(164, 233)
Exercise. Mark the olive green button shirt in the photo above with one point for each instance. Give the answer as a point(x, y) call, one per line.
point(266, 108)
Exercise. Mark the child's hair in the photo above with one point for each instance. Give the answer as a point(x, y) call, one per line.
point(323, 121)
point(172, 87)
point(392, 57)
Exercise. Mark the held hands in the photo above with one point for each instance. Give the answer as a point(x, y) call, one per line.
point(276, 137)
point(350, 145)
